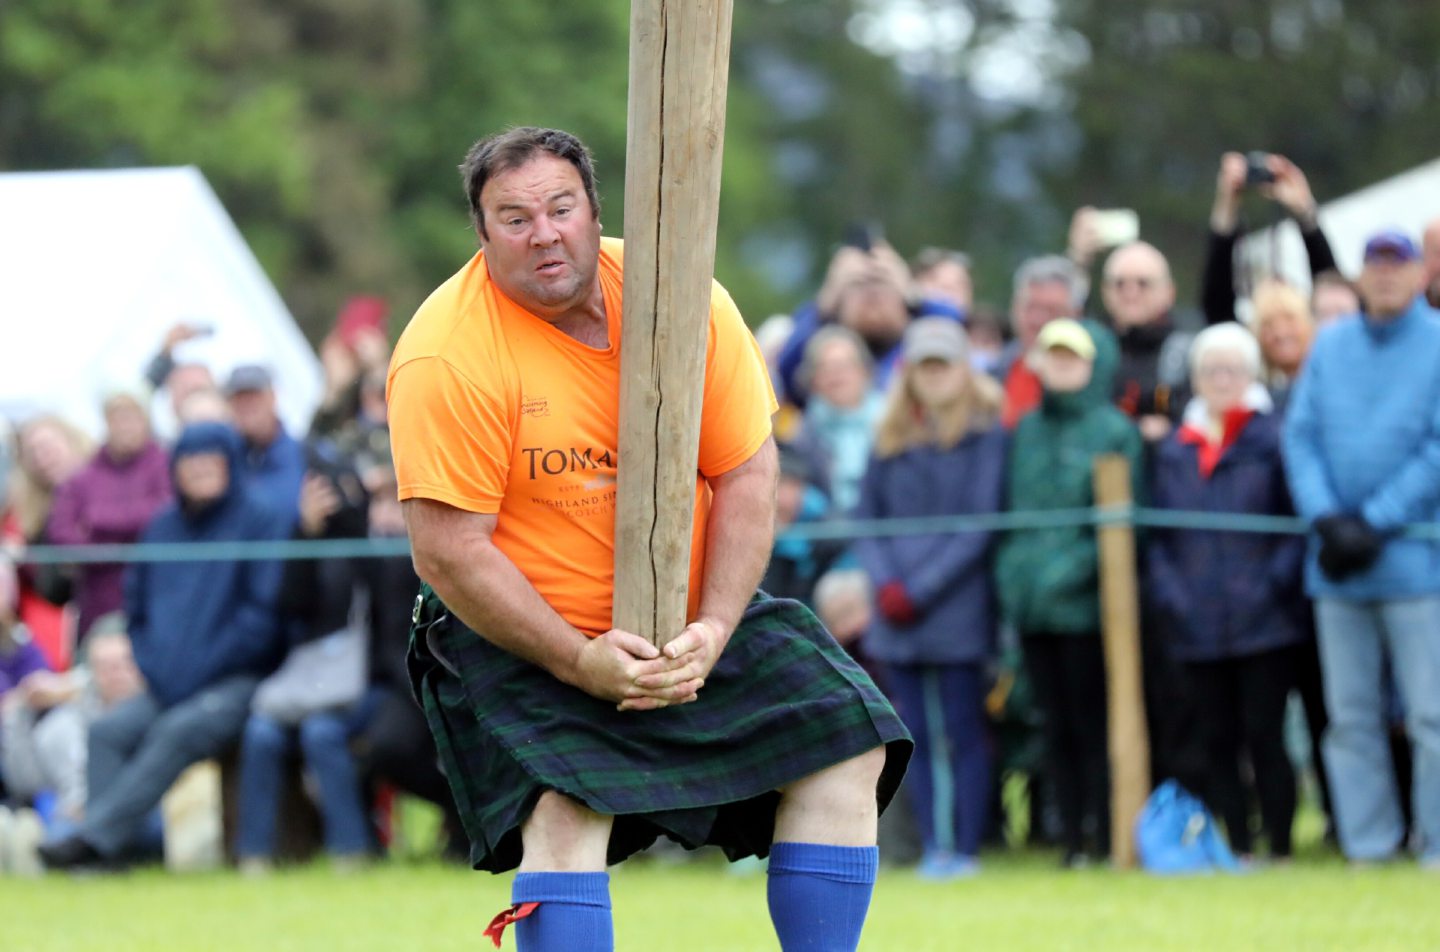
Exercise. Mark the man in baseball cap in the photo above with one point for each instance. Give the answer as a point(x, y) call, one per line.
point(1362, 434)
point(1391, 245)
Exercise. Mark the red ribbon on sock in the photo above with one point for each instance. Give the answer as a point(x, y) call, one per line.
point(496, 929)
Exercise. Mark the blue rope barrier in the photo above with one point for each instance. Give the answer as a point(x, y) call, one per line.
point(1099, 516)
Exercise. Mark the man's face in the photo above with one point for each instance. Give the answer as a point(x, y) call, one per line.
point(254, 414)
point(202, 478)
point(876, 311)
point(127, 429)
point(186, 379)
point(948, 281)
point(1137, 288)
point(1332, 301)
point(1388, 285)
point(542, 241)
point(1062, 370)
point(113, 667)
point(1037, 305)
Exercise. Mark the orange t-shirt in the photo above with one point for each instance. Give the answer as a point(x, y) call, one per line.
point(493, 410)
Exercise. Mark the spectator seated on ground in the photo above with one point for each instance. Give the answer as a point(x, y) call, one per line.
point(396, 746)
point(297, 707)
point(19, 657)
point(45, 720)
point(203, 634)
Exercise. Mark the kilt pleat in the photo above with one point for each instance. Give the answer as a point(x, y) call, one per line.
point(783, 701)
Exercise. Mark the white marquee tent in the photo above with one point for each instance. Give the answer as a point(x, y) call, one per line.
point(98, 265)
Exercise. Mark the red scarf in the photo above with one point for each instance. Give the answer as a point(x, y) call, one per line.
point(1209, 453)
point(1022, 393)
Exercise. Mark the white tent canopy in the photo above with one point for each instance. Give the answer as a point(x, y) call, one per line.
point(1408, 201)
point(98, 265)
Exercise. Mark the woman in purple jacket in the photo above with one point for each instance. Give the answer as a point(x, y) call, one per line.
point(111, 500)
point(940, 451)
point(1232, 601)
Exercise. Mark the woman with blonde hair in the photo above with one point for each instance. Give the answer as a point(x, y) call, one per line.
point(1283, 325)
point(49, 450)
point(940, 451)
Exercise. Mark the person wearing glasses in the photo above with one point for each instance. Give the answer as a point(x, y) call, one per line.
point(1139, 294)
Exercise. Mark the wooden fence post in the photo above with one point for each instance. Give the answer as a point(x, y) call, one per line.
point(1129, 740)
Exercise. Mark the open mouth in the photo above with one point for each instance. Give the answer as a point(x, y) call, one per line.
point(550, 267)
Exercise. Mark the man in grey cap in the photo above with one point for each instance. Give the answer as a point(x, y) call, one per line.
point(274, 462)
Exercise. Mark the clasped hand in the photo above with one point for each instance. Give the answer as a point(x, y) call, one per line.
point(623, 667)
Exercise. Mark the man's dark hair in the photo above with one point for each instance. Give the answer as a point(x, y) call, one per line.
point(511, 149)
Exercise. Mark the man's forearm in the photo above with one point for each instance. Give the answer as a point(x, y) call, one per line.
point(739, 536)
point(489, 594)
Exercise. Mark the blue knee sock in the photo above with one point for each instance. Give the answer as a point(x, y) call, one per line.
point(573, 915)
point(819, 894)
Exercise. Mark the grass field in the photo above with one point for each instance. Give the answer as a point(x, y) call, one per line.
point(1020, 902)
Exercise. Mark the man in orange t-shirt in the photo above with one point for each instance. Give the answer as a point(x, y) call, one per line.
point(504, 397)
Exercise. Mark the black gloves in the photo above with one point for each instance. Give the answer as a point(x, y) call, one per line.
point(1348, 544)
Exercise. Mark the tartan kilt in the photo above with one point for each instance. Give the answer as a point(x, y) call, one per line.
point(783, 702)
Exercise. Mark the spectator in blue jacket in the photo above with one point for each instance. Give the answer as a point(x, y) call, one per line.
point(273, 464)
point(1362, 445)
point(1232, 601)
point(871, 291)
point(940, 451)
point(203, 633)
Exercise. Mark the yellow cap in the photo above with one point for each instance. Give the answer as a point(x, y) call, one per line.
point(1069, 334)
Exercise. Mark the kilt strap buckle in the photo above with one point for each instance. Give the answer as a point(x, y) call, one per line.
point(496, 929)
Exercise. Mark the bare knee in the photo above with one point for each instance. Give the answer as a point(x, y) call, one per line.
point(836, 805)
point(857, 777)
point(563, 835)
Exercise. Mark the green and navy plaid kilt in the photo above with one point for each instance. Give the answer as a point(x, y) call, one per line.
point(783, 702)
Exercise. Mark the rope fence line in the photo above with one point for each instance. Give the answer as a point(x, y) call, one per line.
point(1139, 517)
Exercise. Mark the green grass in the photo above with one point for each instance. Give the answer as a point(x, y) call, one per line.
point(1020, 902)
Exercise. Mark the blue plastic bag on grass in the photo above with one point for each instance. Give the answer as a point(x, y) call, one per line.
point(1175, 834)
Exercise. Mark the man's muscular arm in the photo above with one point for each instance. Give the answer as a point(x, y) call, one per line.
point(453, 551)
point(739, 535)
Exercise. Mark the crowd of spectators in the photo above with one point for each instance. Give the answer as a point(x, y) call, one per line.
point(115, 678)
point(1266, 399)
point(904, 396)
